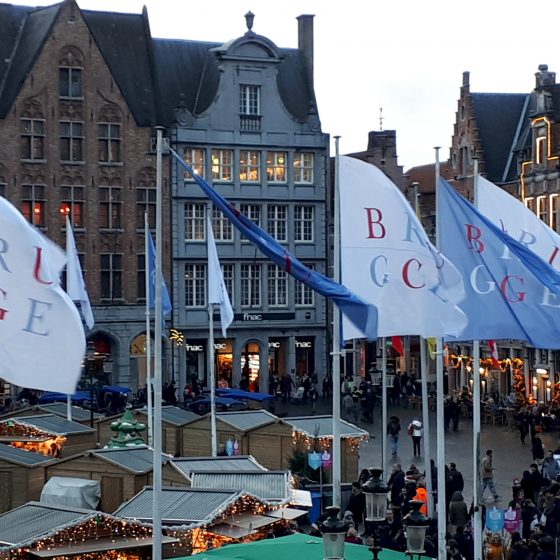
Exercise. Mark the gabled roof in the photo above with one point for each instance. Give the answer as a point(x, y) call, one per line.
point(21, 456)
point(78, 413)
point(246, 420)
point(266, 485)
point(138, 459)
point(179, 506)
point(322, 426)
point(175, 415)
point(499, 119)
point(54, 424)
point(239, 463)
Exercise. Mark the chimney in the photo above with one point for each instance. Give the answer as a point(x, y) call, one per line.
point(305, 44)
point(466, 79)
point(544, 77)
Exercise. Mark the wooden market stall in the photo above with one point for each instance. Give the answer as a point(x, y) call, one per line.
point(230, 426)
point(79, 414)
point(122, 473)
point(237, 463)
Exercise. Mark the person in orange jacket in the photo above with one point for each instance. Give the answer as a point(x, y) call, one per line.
point(422, 495)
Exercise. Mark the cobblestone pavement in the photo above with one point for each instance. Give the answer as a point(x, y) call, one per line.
point(511, 457)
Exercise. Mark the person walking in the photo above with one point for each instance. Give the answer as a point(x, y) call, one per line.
point(487, 475)
point(550, 467)
point(458, 483)
point(396, 483)
point(393, 431)
point(415, 431)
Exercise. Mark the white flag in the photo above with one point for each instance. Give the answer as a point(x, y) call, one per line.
point(42, 340)
point(217, 292)
point(75, 285)
point(512, 216)
point(388, 260)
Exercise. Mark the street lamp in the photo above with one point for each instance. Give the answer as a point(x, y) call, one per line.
point(415, 524)
point(376, 492)
point(334, 533)
point(91, 364)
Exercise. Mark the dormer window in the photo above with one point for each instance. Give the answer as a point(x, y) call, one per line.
point(250, 107)
point(541, 144)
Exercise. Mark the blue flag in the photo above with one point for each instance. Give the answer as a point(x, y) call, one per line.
point(165, 300)
point(361, 313)
point(510, 291)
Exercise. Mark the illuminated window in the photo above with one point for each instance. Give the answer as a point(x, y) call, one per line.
point(72, 205)
point(32, 139)
point(195, 221)
point(250, 285)
point(541, 147)
point(277, 286)
point(110, 207)
point(221, 226)
point(542, 209)
point(71, 141)
point(195, 158)
point(222, 165)
point(111, 276)
point(304, 295)
point(33, 204)
point(303, 224)
point(303, 168)
point(277, 222)
point(70, 82)
point(253, 212)
point(276, 167)
point(146, 202)
point(555, 212)
point(249, 166)
point(195, 285)
point(109, 138)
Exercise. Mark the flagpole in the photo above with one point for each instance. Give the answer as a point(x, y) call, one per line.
point(336, 458)
point(441, 513)
point(384, 404)
point(157, 435)
point(426, 422)
point(69, 407)
point(211, 349)
point(477, 533)
point(148, 349)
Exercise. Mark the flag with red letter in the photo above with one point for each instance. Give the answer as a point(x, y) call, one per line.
point(388, 260)
point(397, 344)
point(42, 340)
point(494, 354)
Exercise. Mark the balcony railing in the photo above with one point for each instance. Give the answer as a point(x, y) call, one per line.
point(249, 122)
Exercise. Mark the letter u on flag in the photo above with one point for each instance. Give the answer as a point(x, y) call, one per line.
point(388, 260)
point(42, 341)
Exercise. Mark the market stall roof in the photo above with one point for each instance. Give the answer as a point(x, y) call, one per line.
point(246, 420)
point(138, 459)
point(246, 395)
point(292, 547)
point(175, 415)
point(322, 426)
point(240, 463)
point(54, 424)
point(22, 456)
point(179, 506)
point(59, 408)
point(266, 485)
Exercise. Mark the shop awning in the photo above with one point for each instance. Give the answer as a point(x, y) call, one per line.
point(242, 525)
point(97, 545)
point(286, 513)
point(248, 395)
point(225, 530)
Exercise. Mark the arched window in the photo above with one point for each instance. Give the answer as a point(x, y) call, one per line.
point(109, 134)
point(70, 67)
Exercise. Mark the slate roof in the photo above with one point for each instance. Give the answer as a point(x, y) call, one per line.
point(266, 485)
point(55, 424)
point(175, 415)
point(246, 420)
point(179, 506)
point(321, 426)
point(21, 456)
point(499, 118)
point(137, 460)
point(239, 463)
point(78, 413)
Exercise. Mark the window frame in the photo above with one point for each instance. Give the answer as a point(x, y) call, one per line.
point(33, 138)
point(304, 296)
point(221, 226)
point(73, 141)
point(304, 223)
point(277, 285)
point(73, 205)
point(37, 205)
point(199, 165)
point(251, 285)
point(249, 170)
point(228, 274)
point(219, 166)
point(273, 176)
point(250, 100)
point(111, 207)
point(275, 223)
point(146, 205)
point(70, 70)
point(196, 298)
point(253, 212)
point(195, 222)
point(105, 143)
point(304, 173)
point(114, 274)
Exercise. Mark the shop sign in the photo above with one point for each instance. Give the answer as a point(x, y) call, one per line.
point(274, 345)
point(200, 347)
point(300, 344)
point(250, 317)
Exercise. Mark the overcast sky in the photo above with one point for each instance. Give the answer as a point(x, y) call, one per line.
point(405, 56)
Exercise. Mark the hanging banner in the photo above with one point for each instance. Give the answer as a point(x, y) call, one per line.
point(495, 520)
point(326, 459)
point(314, 460)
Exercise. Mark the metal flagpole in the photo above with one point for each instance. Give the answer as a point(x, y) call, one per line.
point(441, 513)
point(426, 422)
point(211, 349)
point(157, 436)
point(384, 404)
point(336, 458)
point(148, 349)
point(69, 407)
point(477, 533)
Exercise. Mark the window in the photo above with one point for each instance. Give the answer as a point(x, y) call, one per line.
point(71, 141)
point(110, 207)
point(464, 160)
point(64, 273)
point(111, 276)
point(141, 277)
point(195, 158)
point(530, 204)
point(541, 148)
point(249, 100)
point(222, 165)
point(145, 202)
point(277, 222)
point(555, 212)
point(303, 223)
point(32, 139)
point(250, 285)
point(72, 205)
point(33, 204)
point(195, 221)
point(228, 272)
point(221, 226)
point(304, 296)
point(277, 286)
point(195, 285)
point(249, 166)
point(276, 167)
point(70, 82)
point(303, 168)
point(253, 212)
point(109, 138)
point(542, 208)
point(3, 189)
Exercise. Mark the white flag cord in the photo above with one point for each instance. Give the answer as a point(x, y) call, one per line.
point(148, 349)
point(426, 422)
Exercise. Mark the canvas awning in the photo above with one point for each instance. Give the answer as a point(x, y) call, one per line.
point(286, 513)
point(242, 525)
